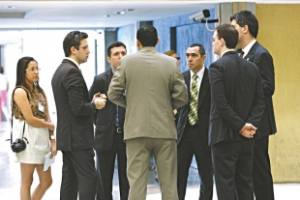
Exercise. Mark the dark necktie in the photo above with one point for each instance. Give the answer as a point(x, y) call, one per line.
point(242, 53)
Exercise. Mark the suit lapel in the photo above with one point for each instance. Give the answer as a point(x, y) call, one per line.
point(250, 56)
point(77, 68)
point(109, 75)
point(187, 79)
point(203, 88)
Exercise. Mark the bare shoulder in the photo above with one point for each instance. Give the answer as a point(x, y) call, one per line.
point(20, 93)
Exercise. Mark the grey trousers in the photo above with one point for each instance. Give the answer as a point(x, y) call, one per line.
point(165, 155)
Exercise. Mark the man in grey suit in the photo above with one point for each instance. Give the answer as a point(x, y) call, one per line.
point(149, 85)
point(75, 132)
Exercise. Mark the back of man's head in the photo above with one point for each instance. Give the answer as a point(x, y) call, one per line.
point(229, 34)
point(147, 36)
point(244, 18)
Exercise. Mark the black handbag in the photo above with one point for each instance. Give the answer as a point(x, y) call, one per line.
point(20, 143)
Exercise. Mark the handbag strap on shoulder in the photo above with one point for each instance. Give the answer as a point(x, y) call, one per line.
point(11, 121)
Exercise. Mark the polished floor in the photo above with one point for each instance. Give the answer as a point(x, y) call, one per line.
point(10, 179)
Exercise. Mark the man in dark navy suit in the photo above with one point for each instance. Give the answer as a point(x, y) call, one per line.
point(236, 110)
point(247, 26)
point(109, 136)
point(192, 126)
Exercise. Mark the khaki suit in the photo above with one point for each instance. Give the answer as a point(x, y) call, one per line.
point(149, 85)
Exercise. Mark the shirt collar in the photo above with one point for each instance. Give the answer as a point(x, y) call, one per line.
point(247, 48)
point(228, 50)
point(72, 60)
point(148, 49)
point(199, 73)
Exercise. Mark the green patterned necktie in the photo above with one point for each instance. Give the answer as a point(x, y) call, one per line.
point(193, 114)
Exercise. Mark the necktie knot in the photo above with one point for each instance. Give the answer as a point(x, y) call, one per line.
point(242, 53)
point(195, 77)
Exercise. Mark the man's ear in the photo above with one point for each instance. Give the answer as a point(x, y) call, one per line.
point(223, 42)
point(245, 29)
point(138, 44)
point(108, 59)
point(157, 40)
point(73, 50)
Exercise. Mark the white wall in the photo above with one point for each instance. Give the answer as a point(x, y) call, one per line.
point(46, 47)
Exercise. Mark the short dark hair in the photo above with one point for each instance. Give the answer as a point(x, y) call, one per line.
point(113, 45)
point(147, 35)
point(229, 34)
point(246, 17)
point(201, 48)
point(73, 39)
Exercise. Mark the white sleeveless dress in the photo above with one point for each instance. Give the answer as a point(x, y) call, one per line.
point(38, 142)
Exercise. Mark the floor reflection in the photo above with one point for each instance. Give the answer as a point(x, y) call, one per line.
point(10, 178)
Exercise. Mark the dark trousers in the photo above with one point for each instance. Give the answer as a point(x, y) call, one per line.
point(78, 175)
point(262, 176)
point(188, 147)
point(105, 170)
point(233, 162)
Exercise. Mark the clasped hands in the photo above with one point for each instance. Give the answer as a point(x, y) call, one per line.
point(248, 130)
point(99, 100)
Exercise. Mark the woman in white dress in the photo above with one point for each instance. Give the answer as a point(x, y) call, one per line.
point(29, 104)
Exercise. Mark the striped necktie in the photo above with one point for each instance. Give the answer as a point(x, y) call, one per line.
point(193, 114)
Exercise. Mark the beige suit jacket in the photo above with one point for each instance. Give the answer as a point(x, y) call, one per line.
point(150, 86)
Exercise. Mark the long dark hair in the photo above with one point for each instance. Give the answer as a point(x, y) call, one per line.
point(22, 65)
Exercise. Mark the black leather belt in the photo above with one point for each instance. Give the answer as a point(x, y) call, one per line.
point(119, 130)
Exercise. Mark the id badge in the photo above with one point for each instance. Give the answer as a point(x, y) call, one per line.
point(41, 108)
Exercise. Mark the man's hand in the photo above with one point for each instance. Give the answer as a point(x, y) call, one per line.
point(99, 100)
point(248, 130)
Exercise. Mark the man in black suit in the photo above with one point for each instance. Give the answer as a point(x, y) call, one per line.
point(75, 109)
point(247, 26)
point(109, 130)
point(193, 134)
point(236, 110)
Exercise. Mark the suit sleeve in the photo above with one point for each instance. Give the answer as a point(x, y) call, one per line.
point(218, 95)
point(266, 68)
point(97, 86)
point(117, 86)
point(93, 88)
point(75, 87)
point(258, 104)
point(179, 92)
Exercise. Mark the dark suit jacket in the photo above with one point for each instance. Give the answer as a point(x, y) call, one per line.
point(74, 108)
point(264, 61)
point(105, 118)
point(237, 97)
point(203, 109)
